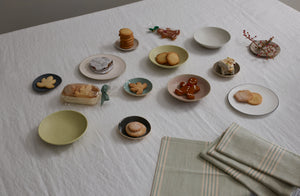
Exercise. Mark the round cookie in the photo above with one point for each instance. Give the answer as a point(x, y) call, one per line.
point(162, 58)
point(135, 129)
point(173, 58)
point(243, 96)
point(125, 32)
point(256, 99)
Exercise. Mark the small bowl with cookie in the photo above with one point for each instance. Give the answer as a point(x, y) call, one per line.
point(168, 56)
point(134, 127)
point(46, 82)
point(138, 86)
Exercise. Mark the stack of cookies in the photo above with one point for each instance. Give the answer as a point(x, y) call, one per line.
point(126, 38)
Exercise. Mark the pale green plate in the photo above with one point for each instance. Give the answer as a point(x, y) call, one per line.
point(183, 55)
point(63, 127)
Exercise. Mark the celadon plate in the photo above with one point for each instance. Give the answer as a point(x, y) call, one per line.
point(182, 53)
point(135, 80)
point(62, 127)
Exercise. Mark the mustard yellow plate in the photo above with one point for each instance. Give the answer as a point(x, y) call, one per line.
point(62, 127)
point(182, 53)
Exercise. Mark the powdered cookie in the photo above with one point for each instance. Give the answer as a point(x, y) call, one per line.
point(256, 99)
point(135, 129)
point(47, 82)
point(162, 58)
point(243, 96)
point(173, 58)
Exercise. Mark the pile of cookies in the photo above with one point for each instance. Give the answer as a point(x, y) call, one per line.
point(126, 38)
point(168, 58)
point(246, 96)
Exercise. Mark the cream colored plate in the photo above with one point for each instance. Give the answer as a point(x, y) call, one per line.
point(119, 67)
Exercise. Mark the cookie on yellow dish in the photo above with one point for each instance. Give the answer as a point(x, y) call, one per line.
point(256, 99)
point(135, 129)
point(162, 58)
point(173, 58)
point(47, 82)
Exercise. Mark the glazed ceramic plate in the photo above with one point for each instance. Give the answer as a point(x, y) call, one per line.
point(135, 80)
point(269, 104)
point(275, 47)
point(202, 83)
point(44, 89)
point(63, 127)
point(183, 55)
point(217, 70)
point(212, 37)
point(135, 45)
point(129, 119)
point(119, 67)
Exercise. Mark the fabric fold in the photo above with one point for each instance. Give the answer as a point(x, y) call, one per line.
point(263, 167)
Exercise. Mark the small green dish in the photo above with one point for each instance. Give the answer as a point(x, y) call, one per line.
point(135, 80)
point(182, 53)
point(62, 127)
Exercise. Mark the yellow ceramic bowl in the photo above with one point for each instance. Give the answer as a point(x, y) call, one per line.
point(183, 55)
point(62, 127)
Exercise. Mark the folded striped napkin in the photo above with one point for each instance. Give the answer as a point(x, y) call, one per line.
point(181, 171)
point(261, 166)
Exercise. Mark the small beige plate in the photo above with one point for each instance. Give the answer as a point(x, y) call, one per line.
point(135, 45)
point(217, 70)
point(202, 83)
point(119, 67)
point(182, 53)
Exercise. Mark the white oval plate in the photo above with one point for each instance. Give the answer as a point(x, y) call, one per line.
point(269, 104)
point(212, 37)
point(119, 67)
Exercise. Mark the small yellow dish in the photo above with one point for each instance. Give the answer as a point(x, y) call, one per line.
point(62, 127)
point(182, 53)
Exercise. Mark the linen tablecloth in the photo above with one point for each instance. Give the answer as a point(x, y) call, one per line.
point(102, 162)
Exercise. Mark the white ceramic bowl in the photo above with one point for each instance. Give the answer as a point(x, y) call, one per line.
point(212, 37)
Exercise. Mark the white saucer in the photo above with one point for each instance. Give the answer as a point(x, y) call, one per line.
point(135, 45)
point(269, 104)
point(212, 37)
point(118, 68)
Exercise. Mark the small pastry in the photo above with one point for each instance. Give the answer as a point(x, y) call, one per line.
point(47, 82)
point(227, 66)
point(137, 88)
point(101, 65)
point(135, 129)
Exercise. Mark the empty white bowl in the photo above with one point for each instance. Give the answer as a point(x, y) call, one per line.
point(212, 37)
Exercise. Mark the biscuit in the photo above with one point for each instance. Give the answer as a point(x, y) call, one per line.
point(243, 96)
point(47, 82)
point(125, 32)
point(137, 88)
point(256, 99)
point(173, 58)
point(135, 129)
point(162, 58)
point(126, 38)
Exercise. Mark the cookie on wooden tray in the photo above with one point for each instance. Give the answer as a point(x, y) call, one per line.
point(135, 129)
point(47, 82)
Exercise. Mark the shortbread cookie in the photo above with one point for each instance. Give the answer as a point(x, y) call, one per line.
point(135, 129)
point(173, 58)
point(243, 96)
point(162, 58)
point(137, 88)
point(47, 82)
point(256, 99)
point(125, 32)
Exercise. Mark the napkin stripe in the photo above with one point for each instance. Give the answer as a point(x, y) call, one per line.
point(278, 160)
point(271, 158)
point(275, 161)
point(161, 168)
point(227, 136)
point(232, 131)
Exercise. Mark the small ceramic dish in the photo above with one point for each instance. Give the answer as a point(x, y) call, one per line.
point(212, 37)
point(217, 70)
point(272, 48)
point(182, 53)
point(135, 80)
point(202, 83)
point(135, 45)
point(62, 127)
point(125, 121)
point(44, 89)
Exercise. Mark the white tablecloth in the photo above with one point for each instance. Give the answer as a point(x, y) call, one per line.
point(103, 162)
